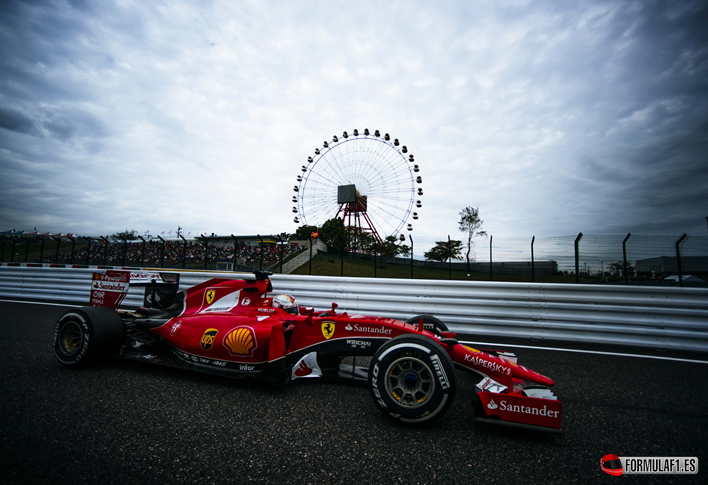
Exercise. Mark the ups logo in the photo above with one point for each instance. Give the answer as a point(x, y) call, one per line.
point(208, 338)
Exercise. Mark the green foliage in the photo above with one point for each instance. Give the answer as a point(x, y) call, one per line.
point(444, 250)
point(618, 268)
point(359, 239)
point(304, 232)
point(471, 224)
point(390, 248)
point(334, 234)
point(127, 235)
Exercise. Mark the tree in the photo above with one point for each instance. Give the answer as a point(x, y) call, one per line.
point(334, 234)
point(444, 250)
point(304, 232)
point(390, 248)
point(471, 224)
point(359, 239)
point(127, 235)
point(618, 268)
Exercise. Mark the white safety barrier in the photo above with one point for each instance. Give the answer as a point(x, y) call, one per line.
point(651, 317)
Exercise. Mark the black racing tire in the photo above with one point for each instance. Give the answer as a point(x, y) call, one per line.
point(88, 336)
point(412, 379)
point(430, 323)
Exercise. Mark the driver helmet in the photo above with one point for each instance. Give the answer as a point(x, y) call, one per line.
point(286, 302)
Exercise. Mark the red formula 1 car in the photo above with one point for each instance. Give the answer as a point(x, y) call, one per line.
point(234, 328)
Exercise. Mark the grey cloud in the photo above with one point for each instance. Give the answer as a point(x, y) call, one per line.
point(14, 120)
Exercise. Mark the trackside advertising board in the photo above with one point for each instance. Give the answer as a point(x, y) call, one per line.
point(109, 289)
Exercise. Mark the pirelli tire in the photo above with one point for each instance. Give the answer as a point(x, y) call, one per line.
point(88, 336)
point(412, 379)
point(430, 323)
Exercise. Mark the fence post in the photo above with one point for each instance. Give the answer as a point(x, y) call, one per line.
point(88, 252)
point(41, 252)
point(3, 249)
point(206, 251)
point(105, 250)
point(411, 238)
point(375, 262)
point(142, 251)
point(533, 268)
point(491, 268)
point(449, 265)
point(184, 250)
point(310, 270)
point(235, 251)
point(73, 247)
point(260, 267)
point(678, 258)
point(577, 257)
point(282, 249)
point(56, 254)
point(125, 250)
point(27, 252)
point(624, 258)
point(162, 252)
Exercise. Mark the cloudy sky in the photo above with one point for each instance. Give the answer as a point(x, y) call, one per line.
point(551, 117)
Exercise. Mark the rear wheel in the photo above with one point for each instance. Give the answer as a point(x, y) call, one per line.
point(412, 379)
point(87, 336)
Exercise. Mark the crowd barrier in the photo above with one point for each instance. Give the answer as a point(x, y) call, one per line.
point(648, 317)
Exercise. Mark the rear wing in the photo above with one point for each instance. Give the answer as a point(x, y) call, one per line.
point(109, 289)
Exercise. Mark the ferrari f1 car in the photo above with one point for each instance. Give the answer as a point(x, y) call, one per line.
point(232, 327)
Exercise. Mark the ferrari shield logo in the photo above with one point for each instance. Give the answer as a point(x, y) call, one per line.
point(210, 296)
point(327, 329)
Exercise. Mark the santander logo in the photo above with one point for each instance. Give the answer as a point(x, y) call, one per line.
point(492, 405)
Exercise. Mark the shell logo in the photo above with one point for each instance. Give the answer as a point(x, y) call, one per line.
point(241, 341)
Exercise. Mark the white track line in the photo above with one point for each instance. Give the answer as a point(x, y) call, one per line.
point(618, 354)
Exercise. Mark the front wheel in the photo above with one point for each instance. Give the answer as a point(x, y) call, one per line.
point(89, 335)
point(412, 379)
point(430, 323)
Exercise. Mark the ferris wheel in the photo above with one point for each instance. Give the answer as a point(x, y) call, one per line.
point(367, 180)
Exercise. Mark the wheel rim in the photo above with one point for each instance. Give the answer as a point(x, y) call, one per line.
point(410, 382)
point(71, 336)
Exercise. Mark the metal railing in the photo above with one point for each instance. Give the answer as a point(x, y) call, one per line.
point(650, 317)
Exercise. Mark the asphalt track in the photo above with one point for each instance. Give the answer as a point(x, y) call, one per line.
point(127, 422)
